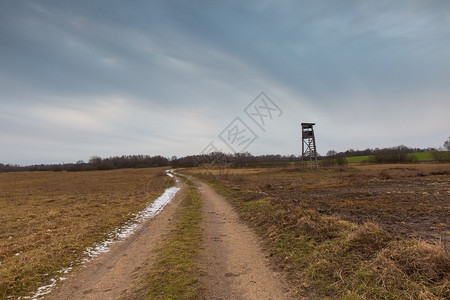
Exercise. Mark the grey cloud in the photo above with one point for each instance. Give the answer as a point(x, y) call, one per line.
point(184, 70)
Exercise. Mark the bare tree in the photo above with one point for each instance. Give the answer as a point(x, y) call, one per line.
point(447, 144)
point(331, 153)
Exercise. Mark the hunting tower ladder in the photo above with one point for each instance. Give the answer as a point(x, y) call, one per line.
point(309, 151)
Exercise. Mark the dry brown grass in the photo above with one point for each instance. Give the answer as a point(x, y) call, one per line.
point(359, 232)
point(421, 266)
point(48, 218)
point(411, 199)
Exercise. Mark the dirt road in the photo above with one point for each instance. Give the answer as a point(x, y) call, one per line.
point(235, 265)
point(121, 272)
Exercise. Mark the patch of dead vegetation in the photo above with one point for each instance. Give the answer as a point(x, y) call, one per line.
point(351, 233)
point(49, 218)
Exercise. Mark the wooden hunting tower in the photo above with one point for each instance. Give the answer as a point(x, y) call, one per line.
point(309, 151)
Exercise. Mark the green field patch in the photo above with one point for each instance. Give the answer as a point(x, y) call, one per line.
point(419, 157)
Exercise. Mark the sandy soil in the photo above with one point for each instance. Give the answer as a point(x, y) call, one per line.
point(120, 272)
point(235, 265)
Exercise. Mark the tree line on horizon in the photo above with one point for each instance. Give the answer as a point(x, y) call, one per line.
point(96, 163)
point(236, 160)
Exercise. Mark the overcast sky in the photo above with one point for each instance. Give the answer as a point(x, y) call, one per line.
point(83, 78)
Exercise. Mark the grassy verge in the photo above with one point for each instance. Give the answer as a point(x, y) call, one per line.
point(329, 257)
point(49, 218)
point(176, 274)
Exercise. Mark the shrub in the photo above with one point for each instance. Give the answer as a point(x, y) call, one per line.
point(441, 156)
point(327, 162)
point(392, 155)
point(341, 160)
point(333, 161)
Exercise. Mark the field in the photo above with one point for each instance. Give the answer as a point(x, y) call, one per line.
point(423, 156)
point(355, 232)
point(411, 200)
point(49, 218)
point(419, 156)
point(359, 232)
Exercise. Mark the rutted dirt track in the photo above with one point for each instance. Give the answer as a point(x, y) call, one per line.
point(235, 265)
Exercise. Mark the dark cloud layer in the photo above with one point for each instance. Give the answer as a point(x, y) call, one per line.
point(83, 78)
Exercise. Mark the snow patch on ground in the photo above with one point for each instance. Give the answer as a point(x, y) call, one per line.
point(117, 234)
point(171, 173)
point(131, 225)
